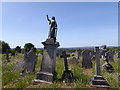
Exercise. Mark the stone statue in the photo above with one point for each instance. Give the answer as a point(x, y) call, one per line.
point(53, 28)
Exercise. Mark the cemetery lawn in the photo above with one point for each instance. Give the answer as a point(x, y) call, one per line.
point(11, 78)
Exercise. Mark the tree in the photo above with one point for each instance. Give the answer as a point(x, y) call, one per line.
point(28, 46)
point(12, 51)
point(5, 46)
point(18, 49)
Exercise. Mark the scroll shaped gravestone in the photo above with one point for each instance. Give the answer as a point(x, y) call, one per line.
point(98, 80)
point(86, 60)
point(30, 60)
point(67, 74)
point(107, 66)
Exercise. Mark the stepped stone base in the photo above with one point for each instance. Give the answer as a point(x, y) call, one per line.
point(45, 77)
point(40, 81)
point(68, 76)
point(99, 81)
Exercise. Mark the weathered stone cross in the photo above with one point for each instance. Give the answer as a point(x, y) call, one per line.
point(65, 60)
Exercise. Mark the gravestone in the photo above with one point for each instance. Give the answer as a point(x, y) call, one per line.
point(68, 55)
point(67, 75)
point(73, 60)
point(30, 59)
point(98, 80)
point(59, 53)
point(78, 53)
point(92, 55)
point(107, 66)
point(103, 55)
point(86, 60)
point(118, 54)
point(7, 56)
point(19, 65)
point(110, 56)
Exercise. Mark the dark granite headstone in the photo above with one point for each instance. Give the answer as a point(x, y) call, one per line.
point(110, 56)
point(86, 60)
point(59, 53)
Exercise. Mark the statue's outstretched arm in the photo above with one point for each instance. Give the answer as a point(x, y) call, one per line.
point(48, 18)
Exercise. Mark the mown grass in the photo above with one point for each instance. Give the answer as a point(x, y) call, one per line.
point(12, 79)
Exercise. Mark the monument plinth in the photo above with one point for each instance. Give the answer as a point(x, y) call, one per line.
point(47, 72)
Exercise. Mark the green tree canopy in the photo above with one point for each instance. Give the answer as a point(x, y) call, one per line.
point(28, 46)
point(18, 49)
point(4, 46)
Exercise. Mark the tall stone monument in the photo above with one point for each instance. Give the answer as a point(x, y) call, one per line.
point(47, 73)
point(98, 80)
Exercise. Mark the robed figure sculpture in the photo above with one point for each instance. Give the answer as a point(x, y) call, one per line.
point(52, 28)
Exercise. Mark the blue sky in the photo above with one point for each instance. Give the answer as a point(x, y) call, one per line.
point(79, 24)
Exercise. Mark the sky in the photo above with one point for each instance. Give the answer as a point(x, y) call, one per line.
point(80, 24)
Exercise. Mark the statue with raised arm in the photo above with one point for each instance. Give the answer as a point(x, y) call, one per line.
point(53, 28)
